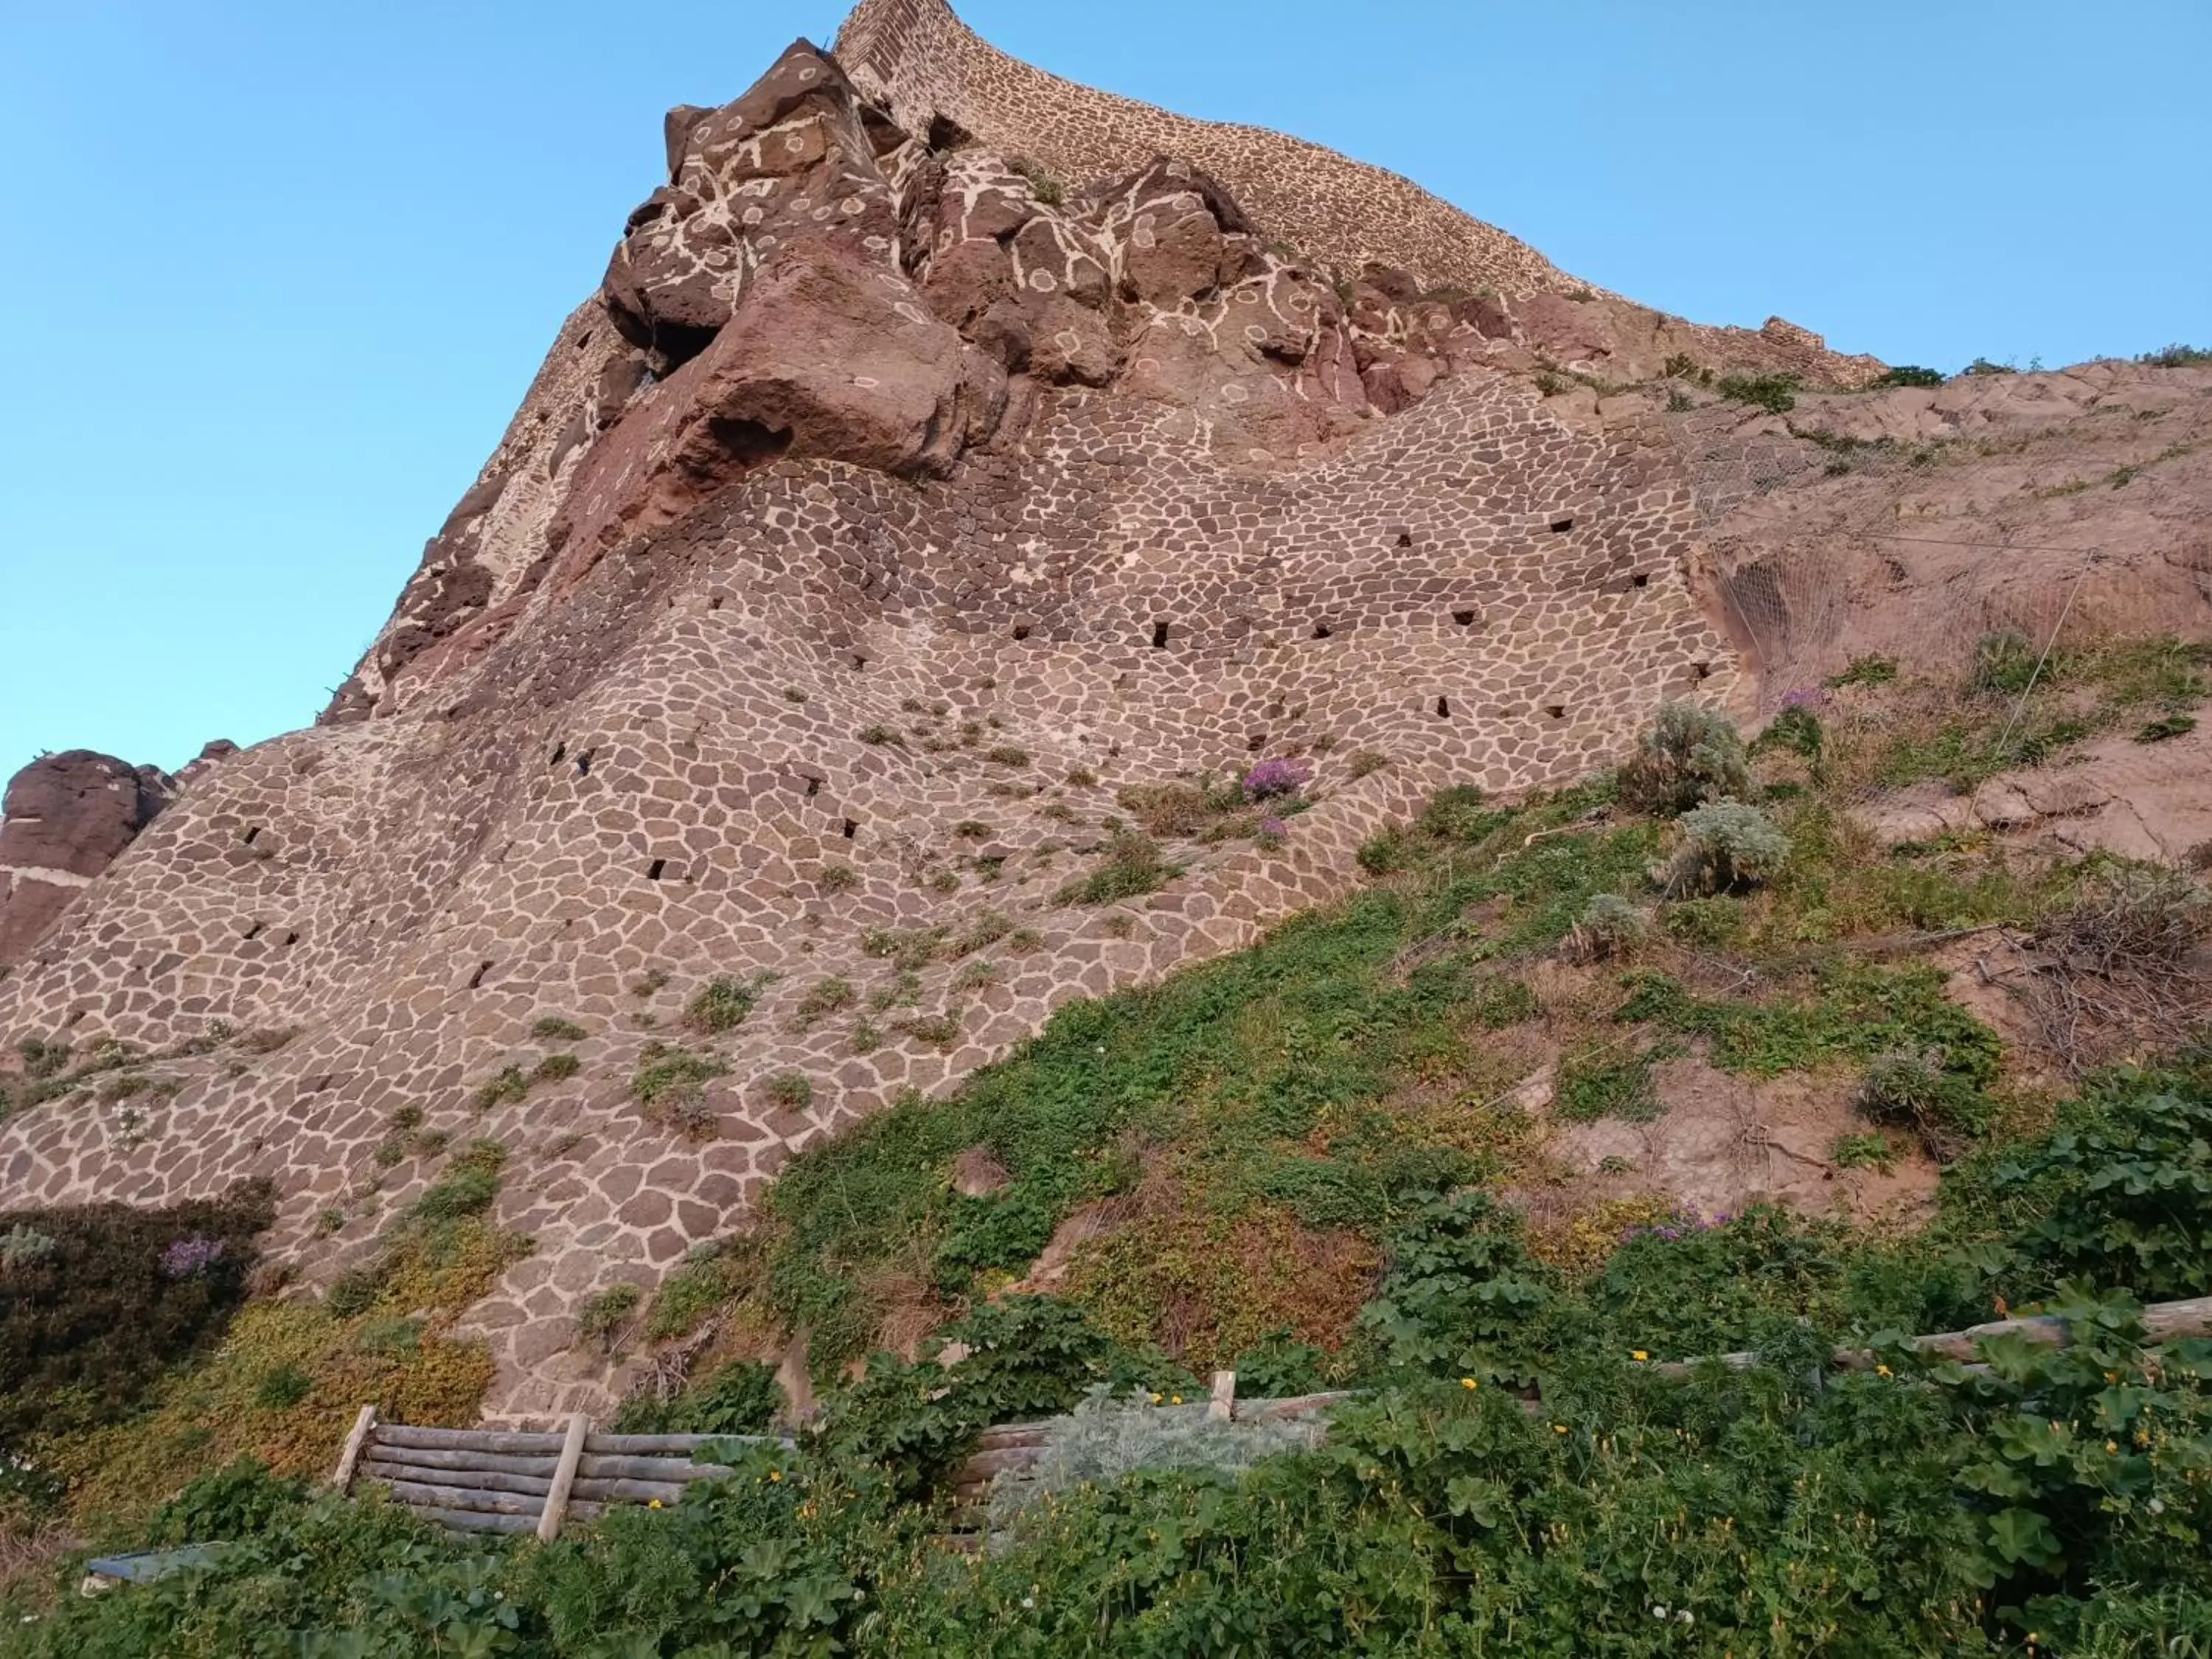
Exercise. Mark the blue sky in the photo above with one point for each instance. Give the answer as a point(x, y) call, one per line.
point(276, 275)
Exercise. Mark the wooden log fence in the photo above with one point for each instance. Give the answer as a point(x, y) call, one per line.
point(497, 1481)
point(485, 1480)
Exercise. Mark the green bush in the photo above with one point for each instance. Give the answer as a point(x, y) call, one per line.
point(741, 1398)
point(721, 1005)
point(1775, 394)
point(1727, 847)
point(1691, 756)
point(115, 1295)
point(1911, 375)
point(1131, 868)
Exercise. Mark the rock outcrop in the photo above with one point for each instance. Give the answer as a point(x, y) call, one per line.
point(65, 819)
point(947, 449)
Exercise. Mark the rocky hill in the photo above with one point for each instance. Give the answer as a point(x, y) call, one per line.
point(874, 630)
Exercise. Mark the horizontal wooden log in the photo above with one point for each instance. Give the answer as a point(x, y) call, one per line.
point(630, 1492)
point(983, 1465)
point(649, 1468)
point(1273, 1411)
point(426, 1457)
point(1012, 1435)
point(583, 1509)
point(471, 1520)
point(481, 1440)
point(670, 1445)
point(416, 1495)
point(528, 1486)
point(2163, 1322)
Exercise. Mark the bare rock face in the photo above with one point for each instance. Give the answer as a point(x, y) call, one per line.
point(825, 356)
point(64, 820)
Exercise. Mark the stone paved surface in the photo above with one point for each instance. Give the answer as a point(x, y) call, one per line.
point(1014, 495)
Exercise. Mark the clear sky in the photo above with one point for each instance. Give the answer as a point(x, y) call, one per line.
point(275, 275)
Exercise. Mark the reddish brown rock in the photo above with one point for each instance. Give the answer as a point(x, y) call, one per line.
point(824, 356)
point(65, 818)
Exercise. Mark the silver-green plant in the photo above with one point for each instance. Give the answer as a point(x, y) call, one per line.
point(1690, 756)
point(1726, 846)
point(21, 1246)
point(1609, 926)
point(1107, 1437)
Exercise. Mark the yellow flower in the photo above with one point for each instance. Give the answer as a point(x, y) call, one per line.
point(654, 1504)
point(1175, 1400)
point(2112, 1447)
point(775, 1474)
point(1156, 1399)
point(1639, 1356)
point(1883, 1370)
point(1466, 1383)
point(1558, 1428)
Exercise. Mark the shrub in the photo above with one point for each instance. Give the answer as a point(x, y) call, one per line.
point(509, 1085)
point(1108, 1437)
point(470, 1188)
point(1983, 366)
point(742, 1398)
point(1456, 813)
point(790, 1090)
point(1921, 1090)
point(282, 1388)
point(1132, 867)
point(1872, 670)
point(2161, 731)
point(92, 1308)
point(1863, 1151)
point(1911, 375)
point(554, 1028)
point(838, 878)
point(1775, 394)
point(1690, 757)
point(603, 1316)
point(2177, 356)
point(555, 1069)
point(2004, 661)
point(880, 736)
point(1006, 755)
point(670, 1077)
point(1727, 847)
point(2132, 918)
point(2120, 1194)
point(910, 950)
point(721, 1005)
point(240, 1500)
point(1609, 926)
point(23, 1246)
point(824, 998)
point(1273, 778)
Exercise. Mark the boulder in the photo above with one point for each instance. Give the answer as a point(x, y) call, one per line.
point(826, 355)
point(63, 821)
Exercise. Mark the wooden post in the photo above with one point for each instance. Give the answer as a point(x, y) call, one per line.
point(1224, 1404)
point(356, 1442)
point(564, 1477)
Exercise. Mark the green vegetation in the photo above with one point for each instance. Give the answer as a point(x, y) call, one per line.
point(1775, 394)
point(1292, 1161)
point(555, 1028)
point(1131, 867)
point(2177, 356)
point(722, 1005)
point(1911, 375)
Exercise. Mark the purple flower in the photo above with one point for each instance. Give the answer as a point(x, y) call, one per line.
point(1806, 697)
point(188, 1257)
point(1277, 777)
point(1274, 827)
